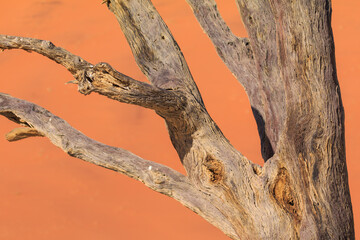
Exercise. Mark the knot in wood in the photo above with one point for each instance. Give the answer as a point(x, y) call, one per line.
point(284, 194)
point(85, 82)
point(215, 169)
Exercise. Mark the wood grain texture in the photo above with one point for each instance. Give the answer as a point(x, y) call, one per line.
point(153, 46)
point(155, 176)
point(100, 78)
point(287, 67)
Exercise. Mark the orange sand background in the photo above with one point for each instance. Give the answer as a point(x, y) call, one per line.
point(45, 194)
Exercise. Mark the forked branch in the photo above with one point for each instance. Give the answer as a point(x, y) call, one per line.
point(253, 61)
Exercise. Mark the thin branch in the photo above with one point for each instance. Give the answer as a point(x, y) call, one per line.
point(158, 177)
point(153, 46)
point(253, 62)
point(234, 51)
point(71, 62)
point(101, 78)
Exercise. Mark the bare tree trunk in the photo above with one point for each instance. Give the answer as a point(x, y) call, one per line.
point(287, 67)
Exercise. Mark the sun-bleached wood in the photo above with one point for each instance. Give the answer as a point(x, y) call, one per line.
point(287, 67)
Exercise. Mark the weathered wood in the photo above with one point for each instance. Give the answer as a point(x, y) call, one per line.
point(253, 62)
point(156, 176)
point(287, 66)
point(101, 78)
point(234, 51)
point(153, 46)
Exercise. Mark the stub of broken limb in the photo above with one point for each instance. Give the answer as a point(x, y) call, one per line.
point(22, 133)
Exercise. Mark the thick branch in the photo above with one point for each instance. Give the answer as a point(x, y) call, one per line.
point(101, 78)
point(153, 46)
point(252, 61)
point(78, 145)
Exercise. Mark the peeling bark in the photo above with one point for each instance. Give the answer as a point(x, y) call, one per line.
point(287, 67)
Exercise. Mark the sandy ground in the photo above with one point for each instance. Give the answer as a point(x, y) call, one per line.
point(45, 194)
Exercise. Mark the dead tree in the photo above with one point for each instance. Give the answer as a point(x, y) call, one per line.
point(287, 67)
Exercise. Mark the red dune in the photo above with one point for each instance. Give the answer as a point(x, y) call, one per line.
point(45, 194)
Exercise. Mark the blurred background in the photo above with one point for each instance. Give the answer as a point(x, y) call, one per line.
point(46, 194)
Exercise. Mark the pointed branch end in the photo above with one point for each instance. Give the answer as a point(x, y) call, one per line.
point(84, 87)
point(106, 1)
point(22, 133)
point(72, 82)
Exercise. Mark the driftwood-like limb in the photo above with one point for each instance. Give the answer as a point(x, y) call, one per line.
point(115, 85)
point(252, 61)
point(156, 176)
point(101, 78)
point(234, 51)
point(153, 46)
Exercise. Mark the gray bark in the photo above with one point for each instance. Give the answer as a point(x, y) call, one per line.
point(287, 67)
